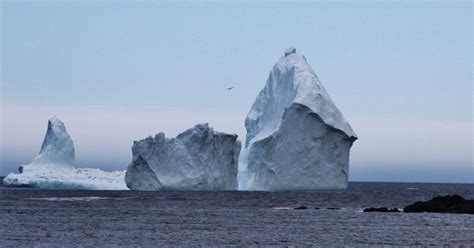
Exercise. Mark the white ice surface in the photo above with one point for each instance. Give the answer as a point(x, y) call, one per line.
point(54, 168)
point(199, 159)
point(57, 150)
point(291, 80)
point(68, 178)
point(295, 156)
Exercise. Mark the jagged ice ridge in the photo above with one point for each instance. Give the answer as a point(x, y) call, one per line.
point(199, 159)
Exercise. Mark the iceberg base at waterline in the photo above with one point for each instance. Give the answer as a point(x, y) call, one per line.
point(67, 178)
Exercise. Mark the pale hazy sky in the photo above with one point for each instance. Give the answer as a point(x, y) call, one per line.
point(118, 71)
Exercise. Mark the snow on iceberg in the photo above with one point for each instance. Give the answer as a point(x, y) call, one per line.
point(199, 159)
point(297, 139)
point(67, 178)
point(53, 168)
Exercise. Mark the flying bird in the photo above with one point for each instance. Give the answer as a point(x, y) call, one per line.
point(230, 88)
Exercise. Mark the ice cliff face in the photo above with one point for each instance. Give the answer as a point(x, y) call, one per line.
point(57, 148)
point(54, 168)
point(297, 139)
point(198, 159)
point(140, 176)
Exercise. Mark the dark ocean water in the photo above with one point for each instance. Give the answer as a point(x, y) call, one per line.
point(125, 218)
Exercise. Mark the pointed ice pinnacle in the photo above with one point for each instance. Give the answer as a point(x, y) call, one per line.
point(53, 168)
point(198, 159)
point(57, 148)
point(297, 139)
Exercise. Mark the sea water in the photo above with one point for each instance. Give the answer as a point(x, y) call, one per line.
point(32, 217)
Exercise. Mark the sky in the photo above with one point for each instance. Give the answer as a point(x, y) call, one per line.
point(118, 71)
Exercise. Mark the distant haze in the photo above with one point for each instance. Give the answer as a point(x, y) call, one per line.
point(118, 71)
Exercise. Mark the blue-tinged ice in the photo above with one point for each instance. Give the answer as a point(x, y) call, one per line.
point(54, 167)
point(297, 139)
point(199, 159)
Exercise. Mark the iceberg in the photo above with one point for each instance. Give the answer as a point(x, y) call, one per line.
point(54, 167)
point(297, 139)
point(57, 149)
point(199, 159)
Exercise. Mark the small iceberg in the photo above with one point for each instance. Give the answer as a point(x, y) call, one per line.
point(54, 168)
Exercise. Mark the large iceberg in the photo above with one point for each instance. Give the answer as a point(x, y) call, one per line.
point(297, 139)
point(199, 159)
point(54, 168)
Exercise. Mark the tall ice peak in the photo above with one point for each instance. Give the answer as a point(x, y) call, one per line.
point(297, 139)
point(291, 80)
point(57, 147)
